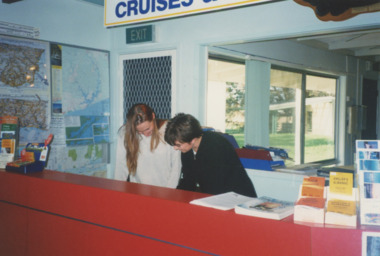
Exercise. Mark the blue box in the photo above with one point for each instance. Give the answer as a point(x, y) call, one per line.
point(258, 164)
point(36, 166)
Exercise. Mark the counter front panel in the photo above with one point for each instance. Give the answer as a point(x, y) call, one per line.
point(55, 213)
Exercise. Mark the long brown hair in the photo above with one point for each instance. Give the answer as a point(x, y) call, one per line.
point(136, 115)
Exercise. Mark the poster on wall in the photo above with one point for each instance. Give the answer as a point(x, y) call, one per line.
point(25, 86)
point(85, 96)
point(85, 89)
point(59, 90)
point(80, 110)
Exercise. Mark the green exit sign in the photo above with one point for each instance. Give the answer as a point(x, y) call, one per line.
point(140, 34)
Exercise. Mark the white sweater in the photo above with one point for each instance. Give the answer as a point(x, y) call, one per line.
point(162, 167)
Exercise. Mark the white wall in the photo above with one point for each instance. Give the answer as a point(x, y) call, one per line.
point(68, 22)
point(190, 36)
point(79, 23)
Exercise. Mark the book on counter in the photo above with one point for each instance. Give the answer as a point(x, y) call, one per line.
point(225, 201)
point(266, 207)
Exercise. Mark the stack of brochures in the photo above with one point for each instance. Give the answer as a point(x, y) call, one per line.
point(9, 129)
point(368, 169)
point(325, 172)
point(341, 200)
point(310, 206)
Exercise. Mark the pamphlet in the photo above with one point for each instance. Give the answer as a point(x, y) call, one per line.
point(225, 201)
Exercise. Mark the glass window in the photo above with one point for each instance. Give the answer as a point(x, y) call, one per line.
point(301, 109)
point(284, 89)
point(319, 118)
point(225, 98)
point(294, 94)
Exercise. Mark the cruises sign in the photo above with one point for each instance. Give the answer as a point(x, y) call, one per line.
point(122, 12)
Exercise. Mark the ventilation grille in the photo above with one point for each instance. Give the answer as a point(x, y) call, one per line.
point(148, 80)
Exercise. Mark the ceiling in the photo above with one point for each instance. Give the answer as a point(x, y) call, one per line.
point(362, 44)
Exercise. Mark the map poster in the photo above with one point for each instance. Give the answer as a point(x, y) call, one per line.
point(85, 82)
point(72, 103)
point(81, 110)
point(85, 95)
point(91, 159)
point(86, 130)
point(25, 86)
point(88, 160)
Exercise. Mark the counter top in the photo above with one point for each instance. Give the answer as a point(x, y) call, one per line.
point(53, 211)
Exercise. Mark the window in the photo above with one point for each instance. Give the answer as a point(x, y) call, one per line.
point(302, 115)
point(225, 97)
point(320, 101)
point(284, 91)
point(301, 109)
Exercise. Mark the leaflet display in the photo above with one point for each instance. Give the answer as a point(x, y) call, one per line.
point(368, 169)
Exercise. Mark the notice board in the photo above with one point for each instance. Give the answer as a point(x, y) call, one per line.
point(63, 90)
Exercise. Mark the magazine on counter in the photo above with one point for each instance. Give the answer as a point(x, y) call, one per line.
point(266, 207)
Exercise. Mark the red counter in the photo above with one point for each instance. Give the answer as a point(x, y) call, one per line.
point(55, 213)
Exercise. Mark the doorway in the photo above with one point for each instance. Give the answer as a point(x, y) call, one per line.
point(369, 99)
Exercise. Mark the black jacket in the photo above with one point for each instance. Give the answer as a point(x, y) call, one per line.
point(216, 168)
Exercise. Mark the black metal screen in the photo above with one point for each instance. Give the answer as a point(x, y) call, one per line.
point(148, 80)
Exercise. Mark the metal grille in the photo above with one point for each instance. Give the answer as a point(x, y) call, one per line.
point(148, 80)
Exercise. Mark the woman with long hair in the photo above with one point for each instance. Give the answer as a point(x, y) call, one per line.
point(142, 155)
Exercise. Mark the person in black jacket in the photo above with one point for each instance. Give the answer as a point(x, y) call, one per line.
point(210, 164)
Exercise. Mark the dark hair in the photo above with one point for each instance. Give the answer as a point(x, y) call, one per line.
point(182, 128)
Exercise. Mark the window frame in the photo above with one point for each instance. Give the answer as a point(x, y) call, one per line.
point(301, 138)
point(339, 97)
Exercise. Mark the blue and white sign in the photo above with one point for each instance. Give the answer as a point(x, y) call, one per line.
point(121, 12)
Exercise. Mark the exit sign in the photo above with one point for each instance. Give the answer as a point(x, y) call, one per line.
point(140, 34)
